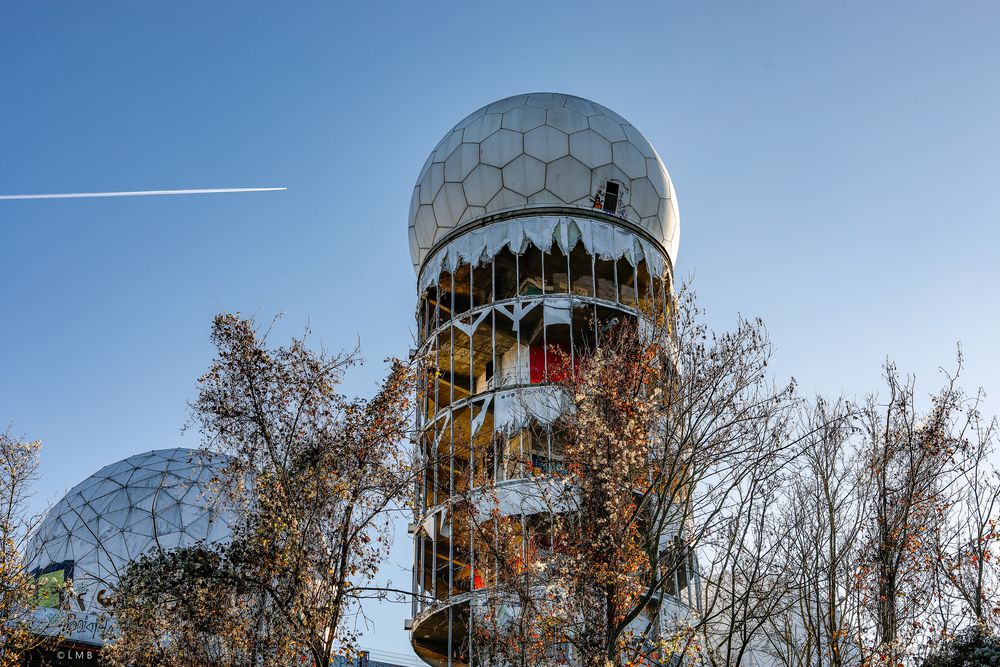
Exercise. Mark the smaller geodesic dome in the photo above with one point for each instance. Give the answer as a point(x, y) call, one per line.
point(160, 499)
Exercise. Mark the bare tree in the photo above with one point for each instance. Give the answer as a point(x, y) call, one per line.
point(967, 544)
point(670, 443)
point(745, 584)
point(18, 473)
point(189, 606)
point(892, 543)
point(824, 513)
point(311, 474)
point(908, 456)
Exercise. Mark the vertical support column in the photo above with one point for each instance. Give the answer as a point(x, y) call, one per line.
point(451, 467)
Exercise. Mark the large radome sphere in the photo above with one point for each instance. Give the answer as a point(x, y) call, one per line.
point(534, 151)
point(160, 498)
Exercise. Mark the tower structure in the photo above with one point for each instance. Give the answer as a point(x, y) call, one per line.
point(535, 219)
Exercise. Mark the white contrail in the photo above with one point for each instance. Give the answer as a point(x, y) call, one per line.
point(138, 193)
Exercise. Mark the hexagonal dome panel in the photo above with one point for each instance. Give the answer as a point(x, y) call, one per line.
point(547, 143)
point(501, 147)
point(482, 184)
point(590, 148)
point(539, 150)
point(568, 179)
point(524, 175)
point(462, 161)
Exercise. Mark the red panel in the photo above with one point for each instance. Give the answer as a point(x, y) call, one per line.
point(536, 360)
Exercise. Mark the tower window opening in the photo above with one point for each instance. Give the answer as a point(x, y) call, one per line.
point(611, 198)
point(611, 191)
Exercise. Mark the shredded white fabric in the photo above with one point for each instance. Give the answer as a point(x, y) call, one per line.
point(558, 310)
point(514, 409)
point(602, 239)
point(527, 495)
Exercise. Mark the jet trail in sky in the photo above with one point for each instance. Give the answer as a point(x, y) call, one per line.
point(138, 193)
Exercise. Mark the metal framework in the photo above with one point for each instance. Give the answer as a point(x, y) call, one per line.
point(159, 499)
point(518, 258)
point(489, 329)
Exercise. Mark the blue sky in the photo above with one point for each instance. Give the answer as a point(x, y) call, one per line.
point(836, 167)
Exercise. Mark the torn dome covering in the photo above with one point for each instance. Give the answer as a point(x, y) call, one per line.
point(601, 239)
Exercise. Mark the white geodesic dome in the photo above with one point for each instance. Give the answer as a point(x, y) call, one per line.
point(534, 151)
point(159, 498)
